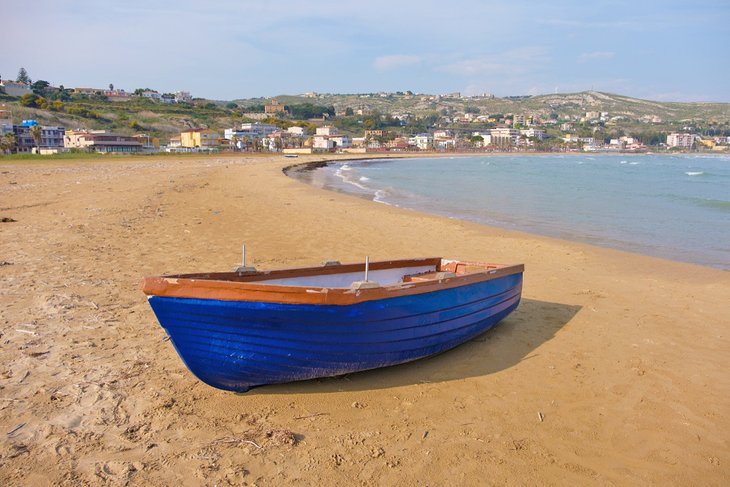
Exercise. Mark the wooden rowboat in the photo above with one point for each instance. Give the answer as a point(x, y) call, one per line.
point(237, 330)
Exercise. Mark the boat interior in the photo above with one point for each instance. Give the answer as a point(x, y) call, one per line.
point(332, 274)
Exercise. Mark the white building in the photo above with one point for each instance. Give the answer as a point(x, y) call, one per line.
point(182, 96)
point(328, 137)
point(443, 139)
point(486, 138)
point(328, 142)
point(297, 131)
point(14, 89)
point(505, 136)
point(536, 133)
point(261, 129)
point(327, 130)
point(422, 141)
point(251, 130)
point(152, 94)
point(681, 140)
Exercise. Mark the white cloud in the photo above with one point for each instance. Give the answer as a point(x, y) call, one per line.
point(595, 55)
point(395, 61)
point(512, 62)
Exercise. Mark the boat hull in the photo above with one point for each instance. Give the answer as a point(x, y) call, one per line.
point(236, 345)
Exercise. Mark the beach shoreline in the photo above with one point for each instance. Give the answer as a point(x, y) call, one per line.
point(611, 371)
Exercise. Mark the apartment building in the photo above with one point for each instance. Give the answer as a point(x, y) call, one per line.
point(681, 140)
point(199, 138)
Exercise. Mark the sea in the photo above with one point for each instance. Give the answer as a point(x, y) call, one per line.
point(670, 206)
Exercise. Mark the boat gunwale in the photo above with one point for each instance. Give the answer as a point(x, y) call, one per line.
point(233, 286)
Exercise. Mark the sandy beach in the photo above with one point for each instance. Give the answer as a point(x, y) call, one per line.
point(614, 370)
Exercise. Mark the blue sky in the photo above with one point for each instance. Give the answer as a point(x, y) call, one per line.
point(660, 50)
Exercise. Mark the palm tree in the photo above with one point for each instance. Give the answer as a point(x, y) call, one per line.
point(36, 131)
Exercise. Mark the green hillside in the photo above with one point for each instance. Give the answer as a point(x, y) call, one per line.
point(140, 115)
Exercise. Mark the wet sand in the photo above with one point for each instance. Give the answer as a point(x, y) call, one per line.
point(613, 370)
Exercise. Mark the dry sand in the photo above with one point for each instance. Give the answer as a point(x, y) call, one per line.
point(613, 370)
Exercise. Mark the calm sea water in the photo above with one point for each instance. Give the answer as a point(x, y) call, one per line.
point(676, 207)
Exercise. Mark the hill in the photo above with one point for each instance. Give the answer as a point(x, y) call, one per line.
point(567, 104)
point(163, 120)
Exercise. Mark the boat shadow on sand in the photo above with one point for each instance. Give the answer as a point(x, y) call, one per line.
point(514, 339)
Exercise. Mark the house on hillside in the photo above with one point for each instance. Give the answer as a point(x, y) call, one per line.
point(152, 95)
point(297, 131)
point(117, 95)
point(14, 89)
point(88, 91)
point(183, 96)
point(274, 107)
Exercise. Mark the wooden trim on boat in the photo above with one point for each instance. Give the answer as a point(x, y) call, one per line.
point(231, 286)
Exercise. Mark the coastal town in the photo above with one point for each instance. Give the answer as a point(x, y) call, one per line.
point(354, 125)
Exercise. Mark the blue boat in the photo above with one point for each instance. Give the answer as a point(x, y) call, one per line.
point(238, 330)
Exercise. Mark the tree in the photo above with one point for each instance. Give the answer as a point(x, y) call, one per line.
point(476, 140)
point(30, 100)
point(349, 112)
point(39, 87)
point(111, 86)
point(7, 143)
point(23, 77)
point(36, 132)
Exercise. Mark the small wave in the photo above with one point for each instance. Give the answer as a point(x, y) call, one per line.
point(364, 178)
point(345, 177)
point(624, 162)
point(695, 173)
point(634, 163)
point(345, 167)
point(380, 196)
point(716, 204)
